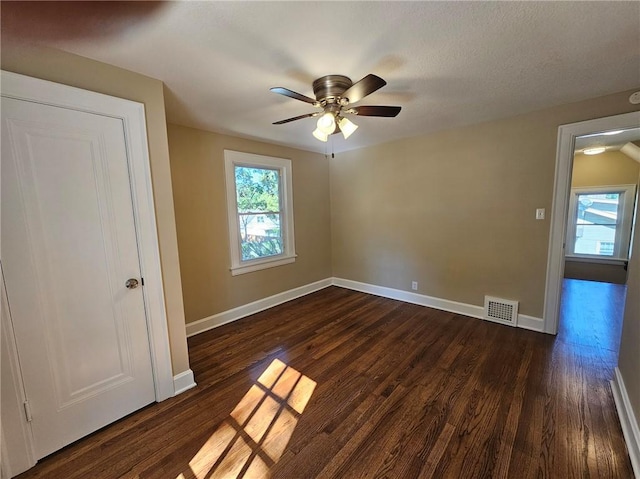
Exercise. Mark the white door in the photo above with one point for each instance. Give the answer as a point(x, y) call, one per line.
point(68, 248)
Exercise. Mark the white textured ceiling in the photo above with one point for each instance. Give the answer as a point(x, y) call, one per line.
point(446, 63)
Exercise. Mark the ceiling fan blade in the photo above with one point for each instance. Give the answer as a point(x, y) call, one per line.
point(364, 87)
point(295, 118)
point(369, 110)
point(293, 94)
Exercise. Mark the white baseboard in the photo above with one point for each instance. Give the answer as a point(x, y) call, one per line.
point(531, 322)
point(234, 314)
point(628, 421)
point(414, 298)
point(183, 382)
point(205, 324)
point(524, 321)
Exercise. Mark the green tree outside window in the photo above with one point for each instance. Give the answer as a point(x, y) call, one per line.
point(259, 211)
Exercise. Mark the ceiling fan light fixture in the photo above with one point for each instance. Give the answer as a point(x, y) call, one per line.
point(596, 150)
point(333, 94)
point(320, 135)
point(327, 123)
point(347, 127)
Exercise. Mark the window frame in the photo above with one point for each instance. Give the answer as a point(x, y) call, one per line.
point(622, 242)
point(283, 166)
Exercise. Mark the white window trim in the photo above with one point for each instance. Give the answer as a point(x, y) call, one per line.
point(237, 158)
point(623, 236)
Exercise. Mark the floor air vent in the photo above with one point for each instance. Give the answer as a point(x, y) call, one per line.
point(501, 310)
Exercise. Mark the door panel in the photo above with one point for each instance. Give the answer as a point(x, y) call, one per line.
point(68, 247)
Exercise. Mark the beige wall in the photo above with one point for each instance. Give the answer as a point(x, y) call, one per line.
point(452, 210)
point(610, 168)
point(455, 210)
point(606, 273)
point(629, 359)
point(61, 67)
point(197, 167)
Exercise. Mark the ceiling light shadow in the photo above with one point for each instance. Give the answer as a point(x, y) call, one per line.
point(388, 64)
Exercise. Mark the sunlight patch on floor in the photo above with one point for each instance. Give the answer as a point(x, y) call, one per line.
point(256, 433)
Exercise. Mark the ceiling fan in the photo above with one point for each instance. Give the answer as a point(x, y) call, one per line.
point(334, 95)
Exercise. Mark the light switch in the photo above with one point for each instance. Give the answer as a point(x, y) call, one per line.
point(540, 214)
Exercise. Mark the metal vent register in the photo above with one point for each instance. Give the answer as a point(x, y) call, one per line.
point(501, 310)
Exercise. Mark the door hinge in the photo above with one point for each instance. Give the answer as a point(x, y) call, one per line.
point(142, 281)
point(27, 411)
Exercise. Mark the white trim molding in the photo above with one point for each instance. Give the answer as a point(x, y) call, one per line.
point(567, 135)
point(524, 321)
point(183, 382)
point(628, 421)
point(234, 314)
point(414, 298)
point(622, 226)
point(531, 323)
point(211, 322)
point(132, 115)
point(234, 159)
point(16, 444)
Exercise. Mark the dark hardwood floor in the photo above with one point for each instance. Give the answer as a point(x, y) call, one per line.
point(340, 384)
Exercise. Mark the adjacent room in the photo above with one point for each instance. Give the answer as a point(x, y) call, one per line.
point(320, 239)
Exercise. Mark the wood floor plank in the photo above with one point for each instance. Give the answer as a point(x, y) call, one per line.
point(341, 384)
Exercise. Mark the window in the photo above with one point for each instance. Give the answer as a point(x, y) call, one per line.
point(260, 211)
point(600, 221)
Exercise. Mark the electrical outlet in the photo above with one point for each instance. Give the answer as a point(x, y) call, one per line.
point(540, 214)
point(414, 285)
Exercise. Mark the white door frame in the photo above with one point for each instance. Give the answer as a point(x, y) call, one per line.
point(132, 115)
point(562, 186)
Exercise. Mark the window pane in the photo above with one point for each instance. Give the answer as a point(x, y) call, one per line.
point(595, 239)
point(596, 223)
point(257, 189)
point(259, 211)
point(260, 235)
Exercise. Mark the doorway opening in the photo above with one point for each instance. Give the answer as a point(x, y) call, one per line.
point(599, 229)
point(593, 214)
point(604, 180)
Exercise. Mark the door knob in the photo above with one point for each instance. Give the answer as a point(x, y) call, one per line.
point(131, 283)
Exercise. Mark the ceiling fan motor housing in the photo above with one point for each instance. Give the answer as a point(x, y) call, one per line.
point(330, 87)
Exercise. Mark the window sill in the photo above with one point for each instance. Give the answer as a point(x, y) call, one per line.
point(586, 259)
point(262, 264)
